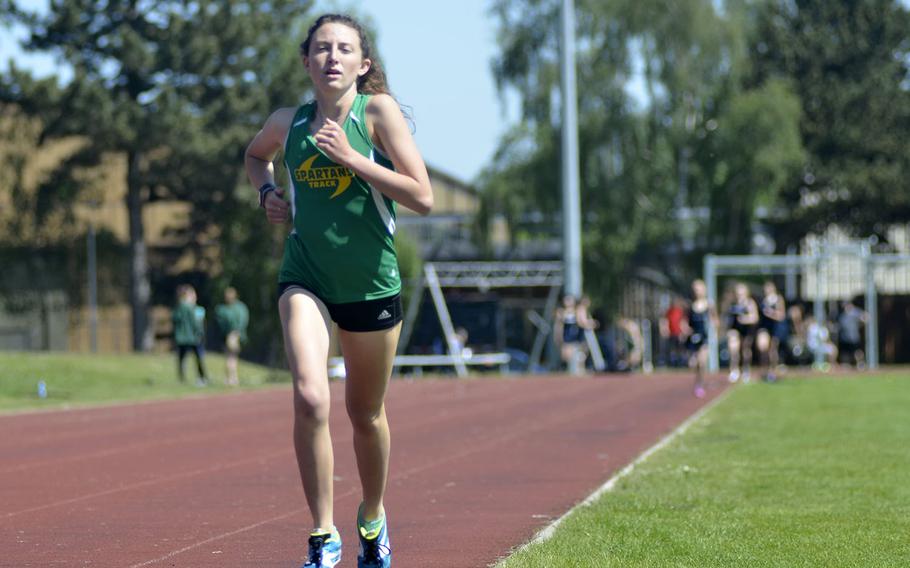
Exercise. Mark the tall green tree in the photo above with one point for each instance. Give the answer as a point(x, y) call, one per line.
point(849, 63)
point(178, 88)
point(750, 150)
point(663, 127)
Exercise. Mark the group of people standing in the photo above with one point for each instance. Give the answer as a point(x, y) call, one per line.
point(188, 319)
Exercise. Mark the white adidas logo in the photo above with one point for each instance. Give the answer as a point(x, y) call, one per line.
point(384, 315)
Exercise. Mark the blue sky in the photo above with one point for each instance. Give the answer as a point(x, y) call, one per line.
point(441, 69)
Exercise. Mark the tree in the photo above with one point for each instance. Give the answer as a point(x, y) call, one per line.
point(647, 155)
point(749, 153)
point(619, 198)
point(849, 63)
point(177, 88)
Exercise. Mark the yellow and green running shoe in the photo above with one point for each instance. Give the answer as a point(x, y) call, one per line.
point(375, 550)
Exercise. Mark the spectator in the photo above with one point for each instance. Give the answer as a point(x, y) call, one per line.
point(631, 344)
point(849, 337)
point(796, 347)
point(189, 332)
point(233, 317)
point(569, 335)
point(460, 343)
point(671, 329)
point(818, 340)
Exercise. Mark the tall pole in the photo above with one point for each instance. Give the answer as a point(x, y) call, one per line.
point(92, 288)
point(871, 306)
point(710, 263)
point(571, 205)
point(819, 308)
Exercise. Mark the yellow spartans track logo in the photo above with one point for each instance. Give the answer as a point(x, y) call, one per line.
point(330, 177)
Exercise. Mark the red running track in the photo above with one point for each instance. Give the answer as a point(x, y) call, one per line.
point(478, 467)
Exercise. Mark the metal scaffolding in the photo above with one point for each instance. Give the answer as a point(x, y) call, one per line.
point(485, 276)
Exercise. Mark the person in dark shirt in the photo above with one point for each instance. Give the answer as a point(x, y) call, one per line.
point(189, 332)
point(849, 336)
point(772, 330)
point(701, 315)
point(742, 320)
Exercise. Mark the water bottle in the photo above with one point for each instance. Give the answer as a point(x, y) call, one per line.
point(42, 389)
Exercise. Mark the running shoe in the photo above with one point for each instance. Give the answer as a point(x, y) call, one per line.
point(734, 375)
point(700, 392)
point(375, 551)
point(325, 550)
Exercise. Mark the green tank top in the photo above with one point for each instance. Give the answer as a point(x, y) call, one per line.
point(342, 245)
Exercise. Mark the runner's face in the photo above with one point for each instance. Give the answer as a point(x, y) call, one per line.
point(741, 293)
point(335, 60)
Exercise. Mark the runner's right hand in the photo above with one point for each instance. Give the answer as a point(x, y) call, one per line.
point(276, 208)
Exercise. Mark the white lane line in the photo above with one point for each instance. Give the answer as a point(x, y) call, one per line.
point(218, 537)
point(547, 532)
point(174, 553)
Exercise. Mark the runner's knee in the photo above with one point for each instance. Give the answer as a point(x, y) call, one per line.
point(311, 404)
point(363, 415)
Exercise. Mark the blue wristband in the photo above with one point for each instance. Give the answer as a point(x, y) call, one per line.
point(264, 192)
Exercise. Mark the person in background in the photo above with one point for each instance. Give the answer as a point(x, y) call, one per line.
point(700, 318)
point(796, 348)
point(460, 343)
point(232, 316)
point(818, 340)
point(772, 330)
point(671, 329)
point(569, 335)
point(742, 319)
point(189, 332)
point(631, 344)
point(572, 322)
point(849, 336)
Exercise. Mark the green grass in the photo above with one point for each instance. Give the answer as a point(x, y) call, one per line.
point(807, 472)
point(82, 379)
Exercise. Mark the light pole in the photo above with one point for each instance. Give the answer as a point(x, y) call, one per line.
point(571, 203)
point(92, 280)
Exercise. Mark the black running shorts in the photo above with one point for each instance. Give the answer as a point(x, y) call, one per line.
point(369, 315)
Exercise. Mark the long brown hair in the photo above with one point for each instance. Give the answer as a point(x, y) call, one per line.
point(373, 82)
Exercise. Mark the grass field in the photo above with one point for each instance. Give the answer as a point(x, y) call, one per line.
point(80, 379)
point(807, 472)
